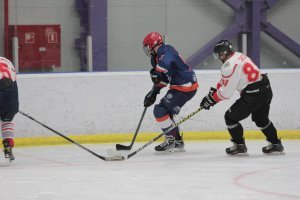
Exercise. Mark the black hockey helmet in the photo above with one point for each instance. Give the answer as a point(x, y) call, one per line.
point(223, 46)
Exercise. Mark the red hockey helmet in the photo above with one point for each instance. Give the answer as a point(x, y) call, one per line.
point(150, 41)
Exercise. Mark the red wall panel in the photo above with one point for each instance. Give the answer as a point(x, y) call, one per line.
point(39, 45)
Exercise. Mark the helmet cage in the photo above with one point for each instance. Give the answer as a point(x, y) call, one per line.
point(149, 52)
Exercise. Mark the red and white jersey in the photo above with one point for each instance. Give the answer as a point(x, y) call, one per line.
point(238, 71)
point(7, 69)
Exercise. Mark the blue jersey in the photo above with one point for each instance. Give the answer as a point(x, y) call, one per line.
point(173, 70)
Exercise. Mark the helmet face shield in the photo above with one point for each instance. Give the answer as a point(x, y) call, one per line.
point(149, 52)
point(216, 55)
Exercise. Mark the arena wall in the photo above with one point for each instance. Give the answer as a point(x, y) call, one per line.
point(112, 103)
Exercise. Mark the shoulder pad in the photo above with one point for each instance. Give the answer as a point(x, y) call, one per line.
point(228, 69)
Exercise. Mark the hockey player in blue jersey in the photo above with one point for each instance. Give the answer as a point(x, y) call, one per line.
point(168, 68)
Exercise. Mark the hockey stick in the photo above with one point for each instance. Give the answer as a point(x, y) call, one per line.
point(157, 137)
point(112, 158)
point(123, 147)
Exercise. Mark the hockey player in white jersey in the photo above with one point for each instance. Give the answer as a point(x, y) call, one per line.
point(241, 74)
point(9, 105)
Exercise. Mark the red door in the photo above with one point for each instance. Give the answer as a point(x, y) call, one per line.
point(39, 46)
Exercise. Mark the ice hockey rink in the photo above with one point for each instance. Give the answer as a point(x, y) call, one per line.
point(202, 172)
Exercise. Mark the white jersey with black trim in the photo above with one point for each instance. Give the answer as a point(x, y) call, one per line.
point(237, 72)
point(7, 69)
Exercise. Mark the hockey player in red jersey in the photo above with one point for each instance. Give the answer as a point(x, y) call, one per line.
point(168, 68)
point(9, 105)
point(241, 74)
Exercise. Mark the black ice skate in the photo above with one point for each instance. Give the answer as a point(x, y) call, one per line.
point(170, 145)
point(273, 148)
point(237, 149)
point(7, 149)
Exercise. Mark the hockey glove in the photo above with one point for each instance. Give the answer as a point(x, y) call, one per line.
point(212, 91)
point(150, 98)
point(208, 100)
point(155, 76)
point(5, 83)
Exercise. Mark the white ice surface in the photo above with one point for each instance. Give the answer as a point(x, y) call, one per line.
point(203, 172)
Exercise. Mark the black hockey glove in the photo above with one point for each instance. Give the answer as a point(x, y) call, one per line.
point(155, 76)
point(208, 100)
point(5, 83)
point(150, 98)
point(212, 91)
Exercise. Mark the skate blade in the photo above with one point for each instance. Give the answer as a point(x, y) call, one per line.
point(238, 154)
point(170, 151)
point(275, 153)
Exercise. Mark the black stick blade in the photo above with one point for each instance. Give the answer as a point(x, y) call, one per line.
point(122, 147)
